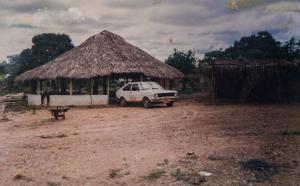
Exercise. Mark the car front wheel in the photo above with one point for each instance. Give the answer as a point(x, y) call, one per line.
point(170, 104)
point(147, 103)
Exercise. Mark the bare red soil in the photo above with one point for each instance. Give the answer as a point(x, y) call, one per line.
point(123, 146)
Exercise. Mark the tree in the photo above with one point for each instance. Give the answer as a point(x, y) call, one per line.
point(291, 49)
point(214, 55)
point(48, 46)
point(24, 61)
point(45, 48)
point(260, 46)
point(185, 62)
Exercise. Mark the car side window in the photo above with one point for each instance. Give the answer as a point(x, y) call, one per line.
point(127, 87)
point(135, 87)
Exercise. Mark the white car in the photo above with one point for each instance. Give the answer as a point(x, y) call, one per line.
point(147, 92)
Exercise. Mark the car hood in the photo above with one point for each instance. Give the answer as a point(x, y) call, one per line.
point(162, 91)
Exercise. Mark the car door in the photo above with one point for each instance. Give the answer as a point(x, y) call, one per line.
point(126, 92)
point(135, 93)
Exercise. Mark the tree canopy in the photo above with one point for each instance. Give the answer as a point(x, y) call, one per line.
point(183, 61)
point(259, 46)
point(45, 47)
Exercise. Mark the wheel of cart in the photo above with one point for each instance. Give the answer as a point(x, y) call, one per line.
point(59, 111)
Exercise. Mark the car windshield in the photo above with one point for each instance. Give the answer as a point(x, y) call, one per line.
point(150, 85)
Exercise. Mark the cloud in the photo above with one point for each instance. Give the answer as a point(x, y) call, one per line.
point(29, 6)
point(132, 4)
point(283, 7)
point(20, 25)
point(269, 5)
point(156, 26)
point(58, 17)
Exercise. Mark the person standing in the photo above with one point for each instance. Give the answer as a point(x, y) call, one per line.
point(46, 94)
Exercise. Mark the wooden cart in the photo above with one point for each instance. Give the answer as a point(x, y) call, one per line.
point(58, 111)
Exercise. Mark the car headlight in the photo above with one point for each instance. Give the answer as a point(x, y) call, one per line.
point(155, 95)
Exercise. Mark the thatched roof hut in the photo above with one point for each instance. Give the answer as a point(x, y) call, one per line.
point(104, 54)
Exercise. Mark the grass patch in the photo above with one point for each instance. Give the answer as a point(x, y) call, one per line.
point(61, 135)
point(113, 173)
point(194, 178)
point(165, 162)
point(155, 174)
point(4, 119)
point(65, 177)
point(178, 174)
point(52, 183)
point(19, 176)
point(46, 136)
point(127, 173)
point(15, 106)
point(290, 133)
point(214, 157)
point(191, 156)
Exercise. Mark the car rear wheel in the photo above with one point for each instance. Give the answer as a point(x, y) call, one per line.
point(170, 104)
point(123, 102)
point(147, 103)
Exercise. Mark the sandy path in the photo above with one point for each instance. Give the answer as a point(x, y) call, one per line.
point(134, 140)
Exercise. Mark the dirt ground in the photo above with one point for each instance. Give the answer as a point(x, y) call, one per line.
point(157, 146)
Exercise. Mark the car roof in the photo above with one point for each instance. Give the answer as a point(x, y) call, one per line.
point(141, 82)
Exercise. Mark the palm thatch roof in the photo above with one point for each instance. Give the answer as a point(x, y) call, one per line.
point(104, 54)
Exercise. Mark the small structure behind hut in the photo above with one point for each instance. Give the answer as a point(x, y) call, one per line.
point(257, 80)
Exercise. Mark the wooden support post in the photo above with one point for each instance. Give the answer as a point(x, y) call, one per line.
point(49, 83)
point(41, 86)
point(38, 87)
point(33, 86)
point(278, 83)
point(108, 79)
point(59, 85)
point(212, 85)
point(70, 87)
point(171, 84)
point(95, 85)
point(56, 84)
point(104, 85)
point(141, 77)
point(53, 84)
point(91, 82)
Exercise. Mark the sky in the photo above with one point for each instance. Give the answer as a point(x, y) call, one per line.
point(156, 26)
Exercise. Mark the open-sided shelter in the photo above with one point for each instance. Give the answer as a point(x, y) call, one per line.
point(103, 56)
